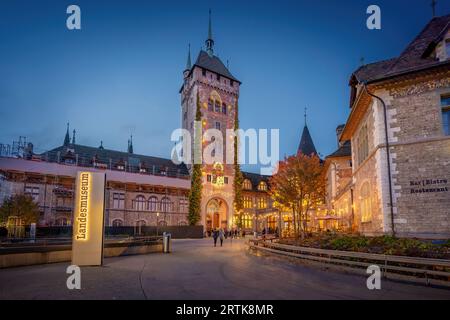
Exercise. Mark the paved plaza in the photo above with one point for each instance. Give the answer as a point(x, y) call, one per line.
point(197, 270)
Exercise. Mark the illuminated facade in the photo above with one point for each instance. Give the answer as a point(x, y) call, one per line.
point(407, 101)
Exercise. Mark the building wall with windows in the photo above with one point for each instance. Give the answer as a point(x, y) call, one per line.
point(129, 196)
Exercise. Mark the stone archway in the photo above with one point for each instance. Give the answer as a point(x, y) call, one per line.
point(216, 214)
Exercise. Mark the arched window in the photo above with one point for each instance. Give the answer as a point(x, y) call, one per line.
point(117, 223)
point(139, 203)
point(224, 108)
point(162, 223)
point(262, 186)
point(182, 223)
point(153, 204)
point(166, 205)
point(210, 105)
point(247, 185)
point(366, 205)
point(139, 225)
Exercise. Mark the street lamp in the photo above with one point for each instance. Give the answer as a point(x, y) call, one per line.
point(157, 217)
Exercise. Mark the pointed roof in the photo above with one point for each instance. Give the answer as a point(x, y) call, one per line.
point(306, 145)
point(67, 137)
point(188, 62)
point(417, 55)
point(213, 64)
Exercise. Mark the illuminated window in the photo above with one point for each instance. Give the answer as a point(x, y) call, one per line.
point(166, 205)
point(139, 203)
point(366, 206)
point(248, 202)
point(247, 185)
point(153, 204)
point(272, 222)
point(262, 203)
point(247, 221)
point(262, 186)
point(33, 192)
point(445, 103)
point(117, 223)
point(62, 222)
point(118, 200)
point(362, 145)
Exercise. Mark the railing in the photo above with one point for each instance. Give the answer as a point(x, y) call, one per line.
point(82, 160)
point(432, 270)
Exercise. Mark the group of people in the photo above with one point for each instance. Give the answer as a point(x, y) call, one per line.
point(221, 234)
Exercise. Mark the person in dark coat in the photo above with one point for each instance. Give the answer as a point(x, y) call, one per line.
point(215, 235)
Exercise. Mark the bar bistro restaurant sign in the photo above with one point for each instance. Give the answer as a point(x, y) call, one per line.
point(429, 186)
point(88, 226)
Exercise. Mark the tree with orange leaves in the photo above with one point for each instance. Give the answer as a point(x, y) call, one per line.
point(299, 185)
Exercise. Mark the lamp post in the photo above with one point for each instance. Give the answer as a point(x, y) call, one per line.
point(157, 217)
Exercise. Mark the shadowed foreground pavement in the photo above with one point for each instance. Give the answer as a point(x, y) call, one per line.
point(197, 270)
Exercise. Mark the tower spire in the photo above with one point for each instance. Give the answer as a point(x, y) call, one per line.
point(73, 137)
point(188, 63)
point(433, 6)
point(305, 116)
point(67, 137)
point(130, 145)
point(210, 42)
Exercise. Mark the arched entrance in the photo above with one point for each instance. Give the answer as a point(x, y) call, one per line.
point(216, 214)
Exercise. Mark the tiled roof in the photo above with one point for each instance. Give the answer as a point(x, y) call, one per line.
point(343, 151)
point(133, 162)
point(415, 57)
point(214, 64)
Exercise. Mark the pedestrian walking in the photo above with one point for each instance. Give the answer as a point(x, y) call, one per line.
point(221, 236)
point(215, 235)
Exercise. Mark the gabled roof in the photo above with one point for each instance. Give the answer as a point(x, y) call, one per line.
point(86, 156)
point(306, 145)
point(255, 179)
point(213, 64)
point(415, 57)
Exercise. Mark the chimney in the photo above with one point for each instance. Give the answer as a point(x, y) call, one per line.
point(339, 130)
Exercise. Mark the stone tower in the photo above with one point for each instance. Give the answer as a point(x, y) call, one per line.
point(218, 91)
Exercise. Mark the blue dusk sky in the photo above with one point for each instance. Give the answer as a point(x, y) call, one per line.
point(121, 73)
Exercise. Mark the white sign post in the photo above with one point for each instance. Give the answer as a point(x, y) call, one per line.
point(88, 224)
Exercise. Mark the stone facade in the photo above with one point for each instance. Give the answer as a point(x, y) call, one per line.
point(420, 162)
point(218, 98)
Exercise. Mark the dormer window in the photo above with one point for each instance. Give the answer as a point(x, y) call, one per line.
point(247, 185)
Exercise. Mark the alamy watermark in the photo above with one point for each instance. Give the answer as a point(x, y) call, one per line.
point(209, 147)
point(74, 280)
